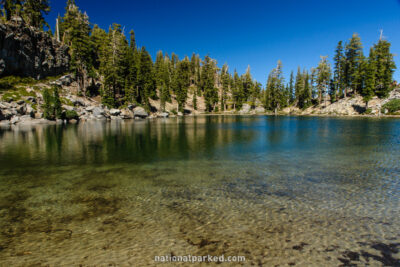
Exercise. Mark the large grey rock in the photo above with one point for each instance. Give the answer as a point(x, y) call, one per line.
point(25, 120)
point(90, 108)
point(7, 114)
point(140, 112)
point(29, 110)
point(4, 105)
point(115, 112)
point(66, 107)
point(98, 111)
point(26, 51)
point(259, 110)
point(14, 120)
point(66, 80)
point(126, 114)
point(163, 115)
point(245, 109)
point(38, 115)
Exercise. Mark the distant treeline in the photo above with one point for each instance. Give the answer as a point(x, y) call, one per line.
point(129, 75)
point(352, 73)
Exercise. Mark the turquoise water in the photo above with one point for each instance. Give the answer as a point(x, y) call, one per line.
point(280, 191)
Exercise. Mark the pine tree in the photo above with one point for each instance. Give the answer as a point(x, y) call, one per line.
point(146, 80)
point(248, 86)
point(195, 100)
point(225, 86)
point(11, 8)
point(34, 11)
point(275, 89)
point(162, 78)
point(236, 89)
point(132, 40)
point(332, 91)
point(385, 67)
point(57, 103)
point(75, 31)
point(369, 88)
point(299, 86)
point(339, 67)
point(292, 96)
point(52, 105)
point(354, 58)
point(323, 77)
point(208, 83)
point(114, 66)
point(182, 83)
point(47, 105)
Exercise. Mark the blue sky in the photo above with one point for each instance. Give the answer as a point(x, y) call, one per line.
point(253, 32)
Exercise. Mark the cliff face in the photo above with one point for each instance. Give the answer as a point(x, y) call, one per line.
point(25, 51)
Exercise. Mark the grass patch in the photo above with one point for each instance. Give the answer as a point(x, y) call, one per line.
point(16, 94)
point(66, 101)
point(10, 82)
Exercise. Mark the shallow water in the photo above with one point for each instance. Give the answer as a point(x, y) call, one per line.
point(278, 190)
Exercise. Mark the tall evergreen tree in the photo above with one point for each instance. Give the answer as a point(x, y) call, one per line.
point(11, 8)
point(182, 82)
point(275, 89)
point(75, 31)
point(237, 90)
point(208, 83)
point(323, 78)
point(225, 86)
point(354, 59)
point(369, 88)
point(34, 11)
point(339, 67)
point(292, 96)
point(385, 67)
point(146, 80)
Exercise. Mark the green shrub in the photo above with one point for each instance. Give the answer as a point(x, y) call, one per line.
point(392, 106)
point(52, 104)
point(368, 111)
point(71, 115)
point(173, 111)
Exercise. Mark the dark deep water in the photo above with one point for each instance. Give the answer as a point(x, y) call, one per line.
point(278, 190)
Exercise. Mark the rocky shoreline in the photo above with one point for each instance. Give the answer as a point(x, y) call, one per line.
point(23, 106)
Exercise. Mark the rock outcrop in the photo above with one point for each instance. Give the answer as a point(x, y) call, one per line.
point(28, 52)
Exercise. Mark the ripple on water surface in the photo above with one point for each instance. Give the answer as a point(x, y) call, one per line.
point(288, 191)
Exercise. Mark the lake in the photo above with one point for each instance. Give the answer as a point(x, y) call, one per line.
point(281, 191)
